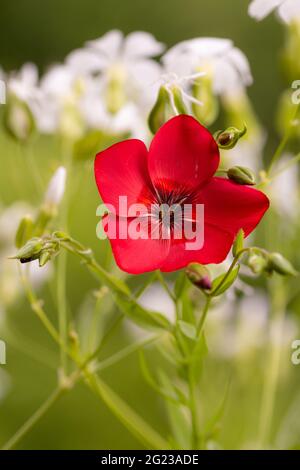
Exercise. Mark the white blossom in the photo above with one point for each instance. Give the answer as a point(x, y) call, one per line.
point(284, 191)
point(219, 58)
point(287, 10)
point(127, 59)
point(56, 187)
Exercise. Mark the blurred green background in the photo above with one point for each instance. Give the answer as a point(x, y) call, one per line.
point(44, 32)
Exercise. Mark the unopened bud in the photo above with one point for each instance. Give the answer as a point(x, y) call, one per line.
point(241, 175)
point(44, 257)
point(238, 244)
point(199, 276)
point(178, 100)
point(56, 187)
point(30, 251)
point(61, 235)
point(228, 139)
point(159, 113)
point(281, 265)
point(203, 92)
point(257, 263)
point(24, 231)
point(18, 120)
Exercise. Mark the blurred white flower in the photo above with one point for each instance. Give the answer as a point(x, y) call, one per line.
point(23, 84)
point(238, 328)
point(56, 187)
point(51, 98)
point(126, 62)
point(287, 10)
point(129, 119)
point(219, 58)
point(284, 189)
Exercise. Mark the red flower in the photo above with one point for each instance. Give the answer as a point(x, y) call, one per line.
point(178, 167)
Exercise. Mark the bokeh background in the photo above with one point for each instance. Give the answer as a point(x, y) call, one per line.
point(44, 32)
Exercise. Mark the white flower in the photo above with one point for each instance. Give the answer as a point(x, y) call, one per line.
point(56, 187)
point(127, 60)
point(287, 10)
point(226, 64)
point(23, 84)
point(48, 98)
point(284, 189)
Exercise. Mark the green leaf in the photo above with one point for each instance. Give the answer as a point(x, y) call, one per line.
point(145, 318)
point(196, 362)
point(211, 425)
point(238, 244)
point(187, 329)
point(133, 422)
point(179, 424)
point(224, 284)
point(165, 392)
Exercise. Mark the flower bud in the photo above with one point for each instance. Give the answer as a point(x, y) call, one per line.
point(178, 100)
point(238, 244)
point(199, 276)
point(159, 113)
point(281, 265)
point(18, 120)
point(257, 263)
point(56, 187)
point(44, 257)
point(203, 92)
point(24, 231)
point(61, 235)
point(30, 251)
point(228, 139)
point(241, 175)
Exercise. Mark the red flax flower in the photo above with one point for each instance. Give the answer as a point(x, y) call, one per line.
point(178, 168)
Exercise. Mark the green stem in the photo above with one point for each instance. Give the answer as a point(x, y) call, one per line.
point(232, 266)
point(274, 358)
point(34, 419)
point(165, 286)
point(193, 411)
point(62, 260)
point(118, 356)
point(204, 315)
point(132, 421)
point(282, 143)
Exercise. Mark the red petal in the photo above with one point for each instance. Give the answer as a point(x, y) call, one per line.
point(183, 152)
point(231, 206)
point(135, 256)
point(217, 244)
point(121, 170)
